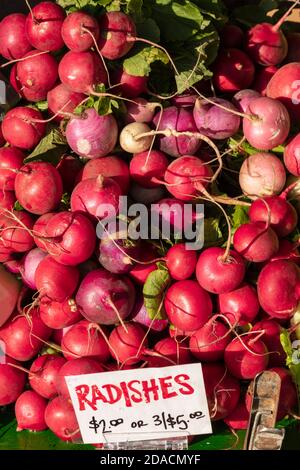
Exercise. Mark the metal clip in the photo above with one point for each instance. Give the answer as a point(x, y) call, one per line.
point(261, 432)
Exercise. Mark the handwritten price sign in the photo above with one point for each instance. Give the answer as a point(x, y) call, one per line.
point(140, 404)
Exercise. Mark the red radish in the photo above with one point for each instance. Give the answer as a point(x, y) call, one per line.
point(104, 297)
point(131, 140)
point(37, 73)
point(20, 129)
point(43, 372)
point(275, 210)
point(140, 315)
point(169, 352)
point(74, 33)
point(218, 274)
point(269, 124)
point(61, 419)
point(246, 363)
point(30, 409)
point(7, 199)
point(117, 254)
point(262, 174)
point(72, 238)
point(38, 187)
point(292, 156)
point(284, 86)
point(240, 305)
point(239, 417)
point(43, 26)
point(233, 70)
point(5, 253)
point(117, 33)
point(80, 366)
point(111, 166)
point(187, 176)
point(209, 342)
point(12, 381)
point(23, 335)
point(231, 36)
point(278, 288)
point(2, 140)
point(140, 111)
point(11, 160)
point(56, 281)
point(287, 251)
point(271, 338)
point(28, 93)
point(177, 333)
point(222, 390)
point(13, 234)
point(216, 122)
point(130, 86)
point(172, 212)
point(262, 79)
point(180, 120)
point(146, 195)
point(243, 98)
point(91, 135)
point(187, 305)
point(81, 71)
point(69, 169)
point(13, 41)
point(129, 346)
point(255, 241)
point(85, 340)
point(181, 262)
point(62, 100)
point(59, 314)
point(30, 263)
point(96, 196)
point(39, 230)
point(146, 167)
point(140, 272)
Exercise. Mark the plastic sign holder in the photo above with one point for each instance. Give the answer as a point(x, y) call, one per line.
point(176, 443)
point(261, 432)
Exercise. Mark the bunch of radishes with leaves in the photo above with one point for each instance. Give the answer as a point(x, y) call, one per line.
point(141, 99)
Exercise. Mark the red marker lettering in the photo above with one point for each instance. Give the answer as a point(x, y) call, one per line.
point(82, 391)
point(165, 386)
point(186, 388)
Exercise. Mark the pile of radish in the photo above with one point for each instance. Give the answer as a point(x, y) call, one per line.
point(74, 302)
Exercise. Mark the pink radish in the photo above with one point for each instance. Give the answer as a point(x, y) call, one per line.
point(256, 242)
point(246, 363)
point(214, 121)
point(262, 79)
point(56, 281)
point(15, 230)
point(13, 41)
point(23, 335)
point(111, 166)
point(239, 417)
point(30, 263)
point(219, 274)
point(130, 86)
point(284, 87)
point(43, 372)
point(269, 124)
point(38, 187)
point(139, 315)
point(271, 338)
point(72, 238)
point(59, 315)
point(61, 419)
point(140, 111)
point(243, 98)
point(11, 160)
point(117, 254)
point(277, 301)
point(62, 100)
point(20, 129)
point(185, 100)
point(117, 32)
point(91, 135)
point(233, 70)
point(222, 390)
point(80, 366)
point(128, 346)
point(148, 167)
point(181, 262)
point(140, 272)
point(275, 210)
point(38, 73)
point(187, 305)
point(169, 352)
point(96, 196)
point(209, 342)
point(84, 340)
point(43, 26)
point(240, 305)
point(262, 174)
point(74, 33)
point(292, 156)
point(12, 381)
point(30, 409)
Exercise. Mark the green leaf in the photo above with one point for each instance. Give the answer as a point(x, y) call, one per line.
point(153, 292)
point(41, 105)
point(50, 148)
point(18, 207)
point(148, 29)
point(239, 216)
point(292, 358)
point(212, 232)
point(140, 63)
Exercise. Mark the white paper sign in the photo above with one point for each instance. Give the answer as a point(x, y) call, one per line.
point(140, 404)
